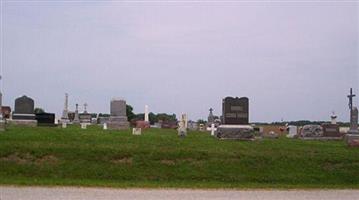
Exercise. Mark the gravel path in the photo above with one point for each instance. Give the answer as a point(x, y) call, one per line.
point(79, 193)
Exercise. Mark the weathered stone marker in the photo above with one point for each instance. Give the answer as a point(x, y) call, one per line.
point(24, 112)
point(352, 138)
point(118, 119)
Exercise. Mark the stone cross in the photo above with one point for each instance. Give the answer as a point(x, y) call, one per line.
point(351, 96)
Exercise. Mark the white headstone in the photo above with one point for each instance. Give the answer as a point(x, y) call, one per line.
point(64, 125)
point(212, 129)
point(83, 125)
point(146, 114)
point(293, 131)
point(136, 131)
point(104, 126)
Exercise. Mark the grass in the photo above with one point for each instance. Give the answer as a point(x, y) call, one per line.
point(158, 158)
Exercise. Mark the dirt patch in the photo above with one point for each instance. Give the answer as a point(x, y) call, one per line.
point(48, 159)
point(27, 158)
point(125, 160)
point(168, 162)
point(19, 158)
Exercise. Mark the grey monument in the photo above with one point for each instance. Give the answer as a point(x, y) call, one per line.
point(65, 112)
point(118, 118)
point(24, 112)
point(235, 120)
point(77, 117)
point(352, 138)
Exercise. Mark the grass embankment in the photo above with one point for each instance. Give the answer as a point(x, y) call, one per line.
point(158, 158)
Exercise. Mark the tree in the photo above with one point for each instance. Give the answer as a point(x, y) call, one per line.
point(39, 111)
point(129, 111)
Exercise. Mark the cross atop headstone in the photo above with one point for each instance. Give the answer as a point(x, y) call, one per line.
point(351, 96)
point(77, 107)
point(211, 110)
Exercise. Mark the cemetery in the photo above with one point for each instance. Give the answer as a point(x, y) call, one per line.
point(227, 151)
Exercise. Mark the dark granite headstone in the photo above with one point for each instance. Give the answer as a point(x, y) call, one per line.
point(24, 109)
point(331, 130)
point(235, 110)
point(45, 119)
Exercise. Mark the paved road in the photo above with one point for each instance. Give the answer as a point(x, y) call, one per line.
point(78, 193)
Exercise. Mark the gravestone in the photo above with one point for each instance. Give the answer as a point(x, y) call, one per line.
point(136, 131)
point(147, 119)
point(182, 130)
point(118, 118)
point(210, 118)
point(45, 119)
point(331, 131)
point(352, 138)
point(65, 112)
point(235, 120)
point(311, 131)
point(235, 111)
point(292, 131)
point(76, 117)
point(24, 112)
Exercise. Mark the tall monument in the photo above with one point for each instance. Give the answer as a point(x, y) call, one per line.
point(65, 112)
point(77, 117)
point(352, 138)
point(146, 114)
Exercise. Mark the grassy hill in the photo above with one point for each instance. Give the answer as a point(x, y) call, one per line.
point(158, 158)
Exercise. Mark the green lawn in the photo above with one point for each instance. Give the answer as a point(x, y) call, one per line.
point(158, 158)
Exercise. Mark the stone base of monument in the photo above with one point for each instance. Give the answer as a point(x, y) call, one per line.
point(118, 123)
point(321, 138)
point(18, 122)
point(235, 132)
point(352, 140)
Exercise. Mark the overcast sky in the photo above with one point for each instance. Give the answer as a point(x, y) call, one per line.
point(292, 60)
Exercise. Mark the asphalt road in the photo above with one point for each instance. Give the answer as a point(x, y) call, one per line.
point(79, 193)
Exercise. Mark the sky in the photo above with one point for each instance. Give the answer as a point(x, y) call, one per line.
point(293, 60)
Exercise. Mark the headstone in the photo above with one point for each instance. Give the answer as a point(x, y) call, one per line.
point(311, 131)
point(65, 112)
point(292, 131)
point(85, 118)
point(83, 125)
point(64, 125)
point(104, 126)
point(184, 119)
point(202, 127)
point(136, 131)
point(147, 119)
point(45, 119)
point(210, 116)
point(235, 111)
point(77, 117)
point(235, 120)
point(213, 129)
point(352, 138)
point(6, 112)
point(182, 131)
point(24, 112)
point(333, 119)
point(331, 130)
point(118, 119)
point(237, 132)
point(354, 121)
